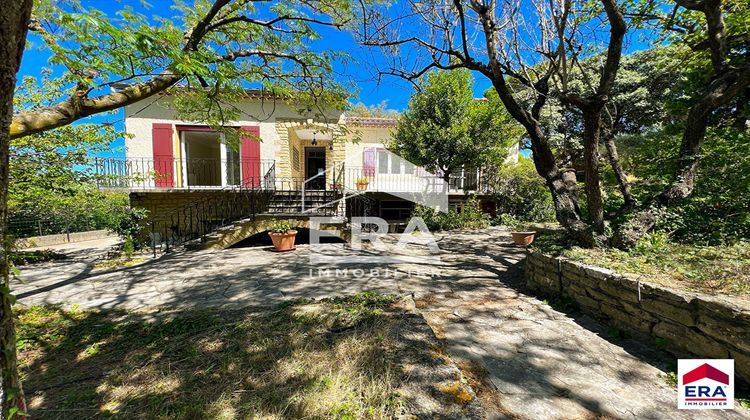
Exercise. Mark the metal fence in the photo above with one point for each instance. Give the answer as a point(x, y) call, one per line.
point(27, 226)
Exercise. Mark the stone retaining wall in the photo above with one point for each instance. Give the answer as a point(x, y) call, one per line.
point(702, 325)
point(62, 238)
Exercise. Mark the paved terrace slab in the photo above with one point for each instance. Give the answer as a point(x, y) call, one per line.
point(525, 359)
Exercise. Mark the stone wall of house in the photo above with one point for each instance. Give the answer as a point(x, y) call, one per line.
point(702, 325)
point(162, 206)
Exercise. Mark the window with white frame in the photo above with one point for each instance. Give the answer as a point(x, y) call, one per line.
point(389, 163)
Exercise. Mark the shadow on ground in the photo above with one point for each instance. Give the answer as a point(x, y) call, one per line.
point(524, 357)
point(340, 358)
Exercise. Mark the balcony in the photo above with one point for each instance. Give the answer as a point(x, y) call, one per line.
point(144, 174)
point(170, 173)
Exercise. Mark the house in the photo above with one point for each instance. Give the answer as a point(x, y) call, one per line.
point(295, 165)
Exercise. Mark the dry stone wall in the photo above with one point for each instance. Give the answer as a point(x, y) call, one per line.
point(702, 325)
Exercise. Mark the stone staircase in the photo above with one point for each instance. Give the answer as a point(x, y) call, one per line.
point(289, 203)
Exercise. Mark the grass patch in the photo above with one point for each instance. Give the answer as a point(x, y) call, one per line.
point(334, 358)
point(709, 269)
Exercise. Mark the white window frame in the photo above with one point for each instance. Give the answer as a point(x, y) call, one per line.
point(389, 169)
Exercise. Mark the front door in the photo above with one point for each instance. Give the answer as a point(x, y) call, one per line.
point(315, 163)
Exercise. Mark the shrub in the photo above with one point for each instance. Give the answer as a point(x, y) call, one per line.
point(522, 193)
point(469, 216)
point(128, 247)
point(53, 212)
point(128, 225)
point(281, 226)
point(718, 211)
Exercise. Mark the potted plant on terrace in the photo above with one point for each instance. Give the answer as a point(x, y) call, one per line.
point(283, 236)
point(362, 183)
point(521, 237)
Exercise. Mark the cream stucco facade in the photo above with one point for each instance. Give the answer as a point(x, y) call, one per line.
point(284, 138)
point(292, 149)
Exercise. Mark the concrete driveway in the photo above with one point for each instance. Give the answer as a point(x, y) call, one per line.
point(525, 359)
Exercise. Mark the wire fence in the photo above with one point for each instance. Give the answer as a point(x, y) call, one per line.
point(25, 226)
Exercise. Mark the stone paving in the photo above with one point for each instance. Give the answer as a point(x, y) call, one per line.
point(525, 359)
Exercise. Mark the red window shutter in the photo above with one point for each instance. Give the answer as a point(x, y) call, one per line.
point(369, 157)
point(250, 156)
point(161, 136)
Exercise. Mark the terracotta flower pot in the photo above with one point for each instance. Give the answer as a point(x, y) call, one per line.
point(523, 239)
point(283, 241)
point(361, 186)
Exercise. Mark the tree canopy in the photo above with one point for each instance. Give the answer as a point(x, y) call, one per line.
point(445, 128)
point(569, 54)
point(209, 50)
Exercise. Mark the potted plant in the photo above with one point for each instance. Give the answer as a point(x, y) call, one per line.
point(362, 183)
point(521, 237)
point(283, 236)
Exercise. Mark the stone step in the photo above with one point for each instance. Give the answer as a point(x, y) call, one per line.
point(307, 192)
point(298, 209)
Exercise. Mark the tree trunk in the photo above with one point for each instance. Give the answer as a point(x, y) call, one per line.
point(592, 122)
point(14, 22)
point(564, 194)
point(620, 177)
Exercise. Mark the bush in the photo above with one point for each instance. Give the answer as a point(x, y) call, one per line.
point(469, 216)
point(522, 193)
point(50, 213)
point(718, 211)
point(128, 225)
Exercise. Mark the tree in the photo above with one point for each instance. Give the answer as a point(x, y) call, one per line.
point(648, 95)
point(209, 51)
point(445, 128)
point(725, 41)
point(530, 50)
point(373, 111)
point(495, 40)
point(51, 176)
point(13, 28)
point(52, 180)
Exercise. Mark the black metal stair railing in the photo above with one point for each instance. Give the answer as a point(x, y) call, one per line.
point(197, 219)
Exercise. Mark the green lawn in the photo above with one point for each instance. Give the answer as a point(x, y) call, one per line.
point(334, 358)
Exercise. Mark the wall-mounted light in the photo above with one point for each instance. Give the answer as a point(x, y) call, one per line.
point(314, 141)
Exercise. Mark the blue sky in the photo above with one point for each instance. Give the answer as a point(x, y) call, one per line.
point(371, 92)
point(394, 91)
